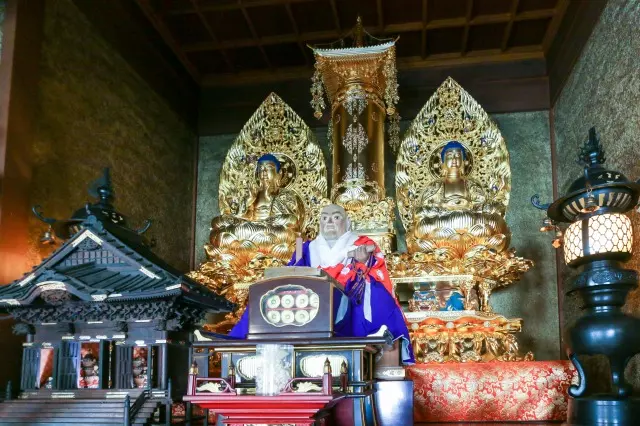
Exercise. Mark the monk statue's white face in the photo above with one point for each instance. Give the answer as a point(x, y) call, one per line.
point(333, 222)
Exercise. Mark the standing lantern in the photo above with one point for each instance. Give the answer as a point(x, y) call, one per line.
point(596, 243)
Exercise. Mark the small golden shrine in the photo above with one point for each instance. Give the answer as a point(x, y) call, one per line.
point(452, 188)
point(361, 86)
point(272, 184)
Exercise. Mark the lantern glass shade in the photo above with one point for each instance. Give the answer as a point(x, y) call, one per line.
point(606, 233)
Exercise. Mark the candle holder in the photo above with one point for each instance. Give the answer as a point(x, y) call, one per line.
point(598, 239)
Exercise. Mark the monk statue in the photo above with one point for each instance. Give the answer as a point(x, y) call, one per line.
point(357, 263)
point(458, 205)
point(272, 217)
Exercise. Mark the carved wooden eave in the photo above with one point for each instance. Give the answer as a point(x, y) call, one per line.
point(103, 271)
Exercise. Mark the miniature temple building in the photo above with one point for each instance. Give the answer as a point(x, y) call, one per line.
point(103, 313)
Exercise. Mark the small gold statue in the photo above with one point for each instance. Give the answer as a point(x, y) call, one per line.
point(272, 220)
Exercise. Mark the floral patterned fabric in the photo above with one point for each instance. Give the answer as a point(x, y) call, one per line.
point(492, 391)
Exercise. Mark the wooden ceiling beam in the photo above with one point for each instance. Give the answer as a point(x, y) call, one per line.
point(389, 29)
point(254, 33)
point(212, 34)
point(554, 26)
point(166, 35)
point(296, 30)
point(465, 33)
point(425, 16)
point(535, 14)
point(441, 60)
point(233, 6)
point(507, 31)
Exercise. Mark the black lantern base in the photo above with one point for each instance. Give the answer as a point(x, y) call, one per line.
point(600, 411)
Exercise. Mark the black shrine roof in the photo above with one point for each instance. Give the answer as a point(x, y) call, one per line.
point(105, 261)
point(96, 266)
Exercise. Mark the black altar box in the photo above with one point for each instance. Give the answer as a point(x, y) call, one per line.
point(294, 302)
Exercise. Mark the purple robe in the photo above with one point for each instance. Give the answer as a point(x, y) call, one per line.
point(366, 312)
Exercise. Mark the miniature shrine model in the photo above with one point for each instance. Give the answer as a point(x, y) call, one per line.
point(107, 323)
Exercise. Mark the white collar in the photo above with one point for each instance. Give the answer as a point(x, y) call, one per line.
point(323, 256)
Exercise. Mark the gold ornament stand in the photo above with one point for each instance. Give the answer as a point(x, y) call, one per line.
point(464, 336)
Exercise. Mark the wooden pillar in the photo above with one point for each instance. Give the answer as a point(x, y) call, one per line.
point(149, 367)
point(164, 372)
point(19, 72)
point(19, 76)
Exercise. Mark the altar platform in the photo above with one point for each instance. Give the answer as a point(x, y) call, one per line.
point(507, 393)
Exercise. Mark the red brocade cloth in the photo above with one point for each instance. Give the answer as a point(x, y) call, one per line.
point(491, 391)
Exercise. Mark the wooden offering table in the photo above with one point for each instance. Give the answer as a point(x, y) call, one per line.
point(322, 379)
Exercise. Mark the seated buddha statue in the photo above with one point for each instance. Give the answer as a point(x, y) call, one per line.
point(455, 207)
point(271, 221)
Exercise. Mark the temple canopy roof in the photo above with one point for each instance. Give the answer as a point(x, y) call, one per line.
point(104, 261)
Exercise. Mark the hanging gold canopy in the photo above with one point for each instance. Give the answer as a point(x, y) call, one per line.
point(372, 67)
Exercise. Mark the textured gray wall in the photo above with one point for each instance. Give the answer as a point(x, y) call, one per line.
point(604, 91)
point(534, 298)
point(96, 111)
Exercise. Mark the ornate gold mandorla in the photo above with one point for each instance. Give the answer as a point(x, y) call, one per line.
point(452, 187)
point(263, 210)
point(361, 86)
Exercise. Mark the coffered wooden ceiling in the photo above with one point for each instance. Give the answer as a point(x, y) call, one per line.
point(235, 42)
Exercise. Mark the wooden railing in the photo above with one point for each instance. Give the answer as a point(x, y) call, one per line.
point(131, 411)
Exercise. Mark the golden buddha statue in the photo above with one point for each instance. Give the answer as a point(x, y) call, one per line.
point(453, 181)
point(273, 183)
point(271, 222)
point(457, 207)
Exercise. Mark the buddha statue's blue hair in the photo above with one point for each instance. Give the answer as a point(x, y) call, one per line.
point(271, 158)
point(453, 145)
